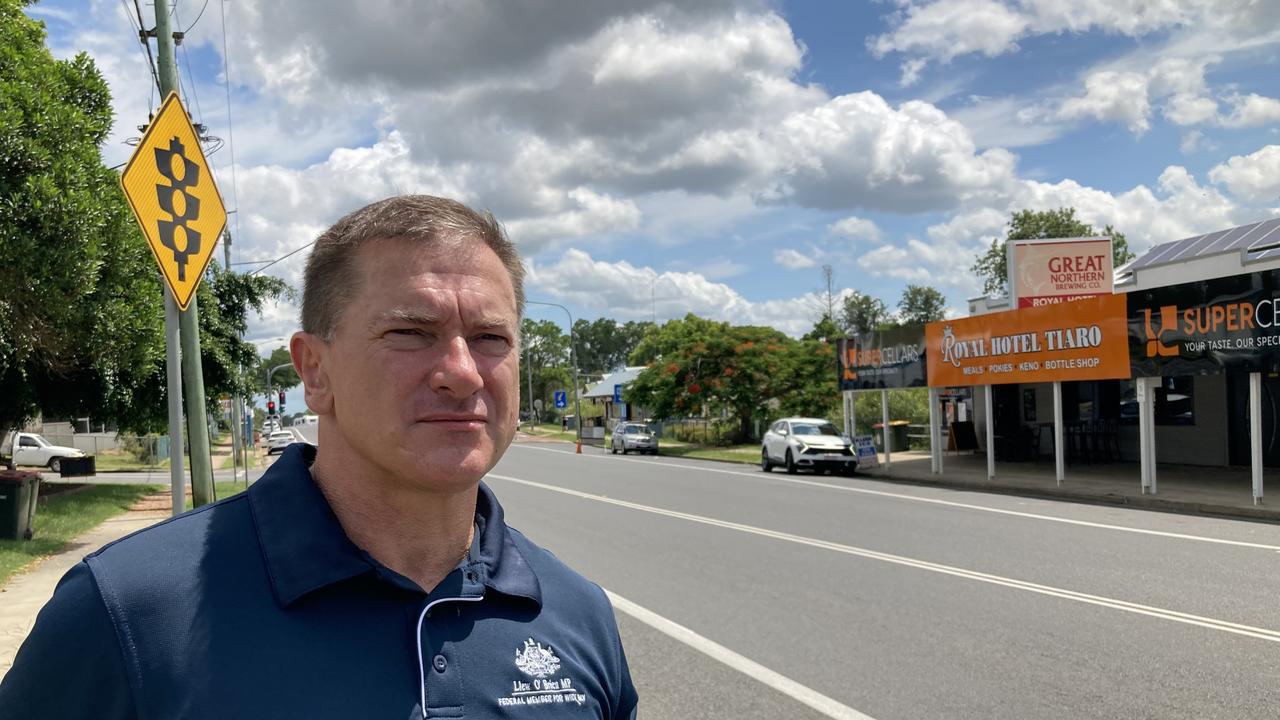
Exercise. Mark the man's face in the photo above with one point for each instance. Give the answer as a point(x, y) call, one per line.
point(423, 366)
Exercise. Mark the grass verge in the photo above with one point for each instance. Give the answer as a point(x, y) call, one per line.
point(223, 490)
point(61, 517)
point(123, 462)
point(746, 454)
point(549, 430)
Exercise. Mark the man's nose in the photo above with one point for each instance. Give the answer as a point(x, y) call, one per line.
point(456, 372)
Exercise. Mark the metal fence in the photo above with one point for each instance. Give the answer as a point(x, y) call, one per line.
point(91, 443)
point(144, 448)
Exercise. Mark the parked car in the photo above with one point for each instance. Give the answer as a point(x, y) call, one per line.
point(630, 436)
point(32, 449)
point(279, 440)
point(811, 443)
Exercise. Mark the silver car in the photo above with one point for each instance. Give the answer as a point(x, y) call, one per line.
point(629, 436)
point(811, 443)
point(279, 440)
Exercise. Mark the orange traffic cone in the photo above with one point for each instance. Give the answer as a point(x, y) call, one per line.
point(579, 452)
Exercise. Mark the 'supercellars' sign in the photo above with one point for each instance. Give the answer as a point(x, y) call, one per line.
point(889, 359)
point(1085, 339)
point(1207, 327)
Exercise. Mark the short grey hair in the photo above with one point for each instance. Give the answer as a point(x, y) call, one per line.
point(332, 279)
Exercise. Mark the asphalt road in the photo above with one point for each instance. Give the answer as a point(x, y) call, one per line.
point(809, 596)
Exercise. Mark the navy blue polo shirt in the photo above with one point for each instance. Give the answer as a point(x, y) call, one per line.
point(260, 606)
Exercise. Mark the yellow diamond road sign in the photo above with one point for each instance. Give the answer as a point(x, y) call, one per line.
point(173, 195)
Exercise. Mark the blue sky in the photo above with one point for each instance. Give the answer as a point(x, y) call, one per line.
point(653, 159)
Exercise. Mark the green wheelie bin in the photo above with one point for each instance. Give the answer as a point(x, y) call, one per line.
point(18, 493)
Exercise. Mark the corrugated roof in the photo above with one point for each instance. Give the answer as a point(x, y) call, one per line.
point(604, 388)
point(1255, 242)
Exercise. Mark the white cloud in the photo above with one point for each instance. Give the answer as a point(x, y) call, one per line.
point(856, 228)
point(1190, 142)
point(792, 259)
point(856, 151)
point(949, 28)
point(1178, 207)
point(1252, 110)
point(911, 72)
point(945, 29)
point(1254, 177)
point(1112, 95)
point(1166, 72)
point(1007, 122)
point(623, 291)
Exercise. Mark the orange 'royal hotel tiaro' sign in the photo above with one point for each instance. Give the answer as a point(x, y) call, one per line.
point(1087, 339)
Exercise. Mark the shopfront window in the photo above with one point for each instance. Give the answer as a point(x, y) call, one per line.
point(1175, 401)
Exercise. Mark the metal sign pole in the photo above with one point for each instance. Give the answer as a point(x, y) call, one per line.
point(991, 434)
point(173, 370)
point(1255, 434)
point(888, 436)
point(1059, 457)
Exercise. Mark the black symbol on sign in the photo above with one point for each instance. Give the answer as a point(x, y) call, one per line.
point(190, 207)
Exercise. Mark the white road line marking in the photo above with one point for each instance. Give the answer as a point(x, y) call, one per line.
point(1113, 603)
point(752, 669)
point(932, 501)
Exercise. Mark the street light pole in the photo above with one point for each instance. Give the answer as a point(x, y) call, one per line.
point(573, 360)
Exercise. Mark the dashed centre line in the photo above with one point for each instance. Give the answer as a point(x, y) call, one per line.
point(1048, 590)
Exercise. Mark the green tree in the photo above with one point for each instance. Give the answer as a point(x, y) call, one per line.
point(603, 345)
point(285, 379)
point(807, 384)
point(81, 317)
point(863, 313)
point(698, 366)
point(993, 265)
point(229, 364)
point(826, 330)
point(544, 356)
point(920, 305)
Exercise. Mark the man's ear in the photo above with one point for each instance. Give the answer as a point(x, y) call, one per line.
point(309, 354)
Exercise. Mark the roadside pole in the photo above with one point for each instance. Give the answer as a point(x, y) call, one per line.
point(173, 370)
point(236, 444)
point(573, 360)
point(188, 320)
point(173, 352)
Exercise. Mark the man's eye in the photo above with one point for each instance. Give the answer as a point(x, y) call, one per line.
point(412, 336)
point(491, 342)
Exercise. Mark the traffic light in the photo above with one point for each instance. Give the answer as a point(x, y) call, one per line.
point(271, 408)
point(281, 396)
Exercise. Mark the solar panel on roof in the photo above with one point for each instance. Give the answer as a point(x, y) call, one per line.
point(1262, 236)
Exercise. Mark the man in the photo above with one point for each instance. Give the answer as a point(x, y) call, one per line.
point(373, 576)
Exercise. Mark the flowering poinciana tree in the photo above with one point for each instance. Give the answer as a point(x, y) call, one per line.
point(701, 367)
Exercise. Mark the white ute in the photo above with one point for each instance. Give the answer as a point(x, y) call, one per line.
point(31, 449)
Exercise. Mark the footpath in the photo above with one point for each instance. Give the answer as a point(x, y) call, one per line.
point(1216, 491)
point(25, 593)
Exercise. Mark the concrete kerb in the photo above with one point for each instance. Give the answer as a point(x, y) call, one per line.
point(1081, 494)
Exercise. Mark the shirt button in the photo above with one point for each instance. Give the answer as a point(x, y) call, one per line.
point(439, 663)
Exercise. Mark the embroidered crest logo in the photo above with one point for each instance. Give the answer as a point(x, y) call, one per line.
point(535, 660)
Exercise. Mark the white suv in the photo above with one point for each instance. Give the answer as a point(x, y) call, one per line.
point(811, 443)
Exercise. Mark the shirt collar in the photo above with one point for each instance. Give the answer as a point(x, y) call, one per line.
point(305, 547)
